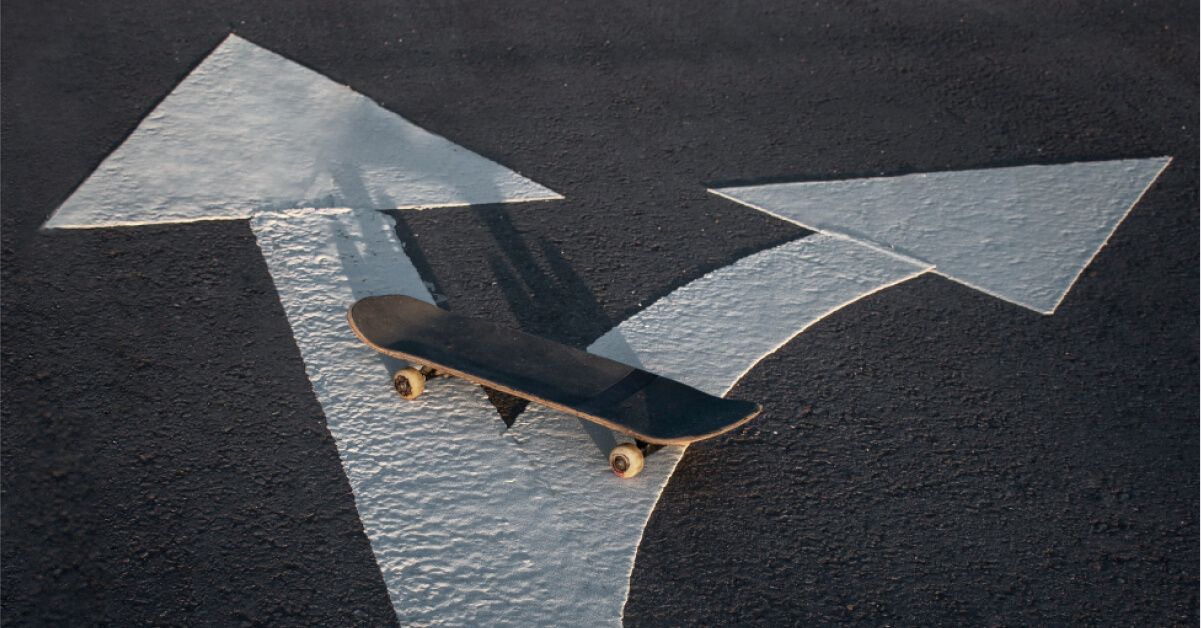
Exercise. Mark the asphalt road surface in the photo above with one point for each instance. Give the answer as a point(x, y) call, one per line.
point(929, 455)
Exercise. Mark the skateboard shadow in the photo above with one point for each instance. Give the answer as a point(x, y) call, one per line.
point(352, 189)
point(542, 290)
point(539, 286)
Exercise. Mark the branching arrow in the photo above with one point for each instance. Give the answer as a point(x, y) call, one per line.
point(470, 524)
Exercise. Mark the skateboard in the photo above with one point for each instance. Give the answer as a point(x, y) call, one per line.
point(652, 409)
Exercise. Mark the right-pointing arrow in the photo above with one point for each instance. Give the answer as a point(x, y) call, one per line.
point(1022, 234)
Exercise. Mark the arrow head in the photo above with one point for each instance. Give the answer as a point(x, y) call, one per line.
point(249, 131)
point(1022, 234)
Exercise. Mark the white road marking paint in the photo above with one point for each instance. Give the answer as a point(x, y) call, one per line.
point(249, 130)
point(477, 525)
point(1023, 234)
point(710, 332)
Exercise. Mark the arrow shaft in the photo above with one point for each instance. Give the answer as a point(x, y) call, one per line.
point(448, 498)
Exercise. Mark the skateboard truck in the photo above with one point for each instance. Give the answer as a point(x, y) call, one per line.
point(647, 448)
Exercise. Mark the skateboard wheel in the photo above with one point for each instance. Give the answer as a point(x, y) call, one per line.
point(626, 460)
point(409, 383)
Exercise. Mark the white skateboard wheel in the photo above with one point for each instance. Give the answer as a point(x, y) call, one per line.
point(626, 460)
point(409, 383)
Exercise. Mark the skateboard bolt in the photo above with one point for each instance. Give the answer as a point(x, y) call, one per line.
point(402, 387)
point(621, 464)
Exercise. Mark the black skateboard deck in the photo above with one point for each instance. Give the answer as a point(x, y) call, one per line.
point(648, 407)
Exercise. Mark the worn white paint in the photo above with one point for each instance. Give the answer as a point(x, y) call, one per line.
point(1023, 234)
point(473, 524)
point(249, 131)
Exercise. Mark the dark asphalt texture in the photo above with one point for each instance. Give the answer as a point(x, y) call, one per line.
point(929, 455)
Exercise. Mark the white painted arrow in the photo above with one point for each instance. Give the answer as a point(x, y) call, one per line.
point(1023, 234)
point(250, 131)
